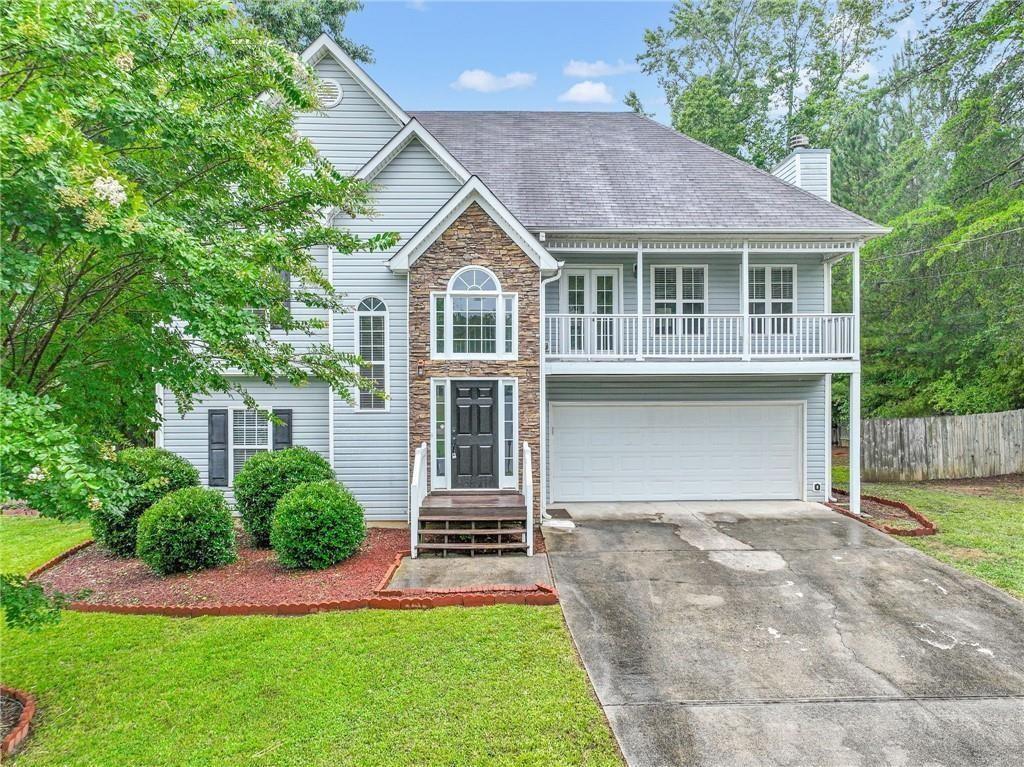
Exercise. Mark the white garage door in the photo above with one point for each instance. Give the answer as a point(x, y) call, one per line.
point(676, 451)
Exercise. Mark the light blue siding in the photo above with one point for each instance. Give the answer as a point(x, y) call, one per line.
point(723, 288)
point(351, 133)
point(732, 389)
point(301, 342)
point(372, 447)
point(809, 169)
point(186, 434)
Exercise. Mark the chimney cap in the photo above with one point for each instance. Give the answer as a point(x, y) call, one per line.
point(799, 141)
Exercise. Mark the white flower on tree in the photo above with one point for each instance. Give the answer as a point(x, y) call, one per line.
point(109, 189)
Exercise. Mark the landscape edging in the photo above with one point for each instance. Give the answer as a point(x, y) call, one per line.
point(413, 599)
point(59, 558)
point(13, 740)
point(927, 526)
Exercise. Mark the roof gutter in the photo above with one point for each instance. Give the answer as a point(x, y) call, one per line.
point(734, 233)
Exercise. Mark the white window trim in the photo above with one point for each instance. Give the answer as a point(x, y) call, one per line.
point(679, 283)
point(387, 354)
point(231, 438)
point(590, 271)
point(768, 288)
point(504, 482)
point(499, 333)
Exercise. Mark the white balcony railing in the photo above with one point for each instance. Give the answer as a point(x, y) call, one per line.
point(418, 490)
point(698, 336)
point(528, 495)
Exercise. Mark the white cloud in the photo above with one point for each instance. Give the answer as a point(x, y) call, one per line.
point(482, 81)
point(906, 28)
point(417, 5)
point(599, 68)
point(588, 92)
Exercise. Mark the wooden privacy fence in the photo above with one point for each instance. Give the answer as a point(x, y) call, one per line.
point(943, 447)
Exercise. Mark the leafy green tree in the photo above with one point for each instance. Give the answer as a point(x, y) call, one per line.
point(947, 286)
point(297, 23)
point(745, 76)
point(154, 192)
point(632, 100)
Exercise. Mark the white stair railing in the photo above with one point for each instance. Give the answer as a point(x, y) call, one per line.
point(528, 495)
point(417, 492)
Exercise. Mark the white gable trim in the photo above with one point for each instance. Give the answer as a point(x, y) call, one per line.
point(474, 190)
point(325, 45)
point(412, 130)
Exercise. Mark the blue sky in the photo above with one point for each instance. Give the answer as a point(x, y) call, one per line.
point(518, 55)
point(422, 48)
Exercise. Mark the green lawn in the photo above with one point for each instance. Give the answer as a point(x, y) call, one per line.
point(981, 535)
point(451, 686)
point(27, 542)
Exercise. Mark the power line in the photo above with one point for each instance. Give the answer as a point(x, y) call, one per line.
point(1011, 267)
point(941, 245)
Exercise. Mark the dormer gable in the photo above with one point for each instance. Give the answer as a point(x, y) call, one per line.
point(357, 116)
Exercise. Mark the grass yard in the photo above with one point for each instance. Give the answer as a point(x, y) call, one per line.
point(452, 686)
point(979, 533)
point(27, 542)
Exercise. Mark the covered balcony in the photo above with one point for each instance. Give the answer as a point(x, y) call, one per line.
point(617, 303)
point(698, 336)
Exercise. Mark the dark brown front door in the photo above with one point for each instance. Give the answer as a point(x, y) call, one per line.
point(475, 436)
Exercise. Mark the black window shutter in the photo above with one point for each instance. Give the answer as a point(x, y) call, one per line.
point(217, 441)
point(283, 430)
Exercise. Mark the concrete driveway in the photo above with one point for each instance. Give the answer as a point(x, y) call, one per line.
point(770, 633)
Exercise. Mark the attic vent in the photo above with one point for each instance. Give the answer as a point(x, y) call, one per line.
point(799, 141)
point(329, 93)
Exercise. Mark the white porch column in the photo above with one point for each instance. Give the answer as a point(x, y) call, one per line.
point(745, 298)
point(640, 330)
point(856, 301)
point(828, 392)
point(855, 443)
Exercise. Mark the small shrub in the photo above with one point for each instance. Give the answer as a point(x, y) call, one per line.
point(316, 525)
point(150, 473)
point(266, 477)
point(187, 530)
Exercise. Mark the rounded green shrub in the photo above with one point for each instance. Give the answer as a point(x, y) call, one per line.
point(316, 525)
point(150, 473)
point(265, 478)
point(186, 530)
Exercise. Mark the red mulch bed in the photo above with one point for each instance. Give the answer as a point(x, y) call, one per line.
point(540, 546)
point(255, 578)
point(10, 713)
point(889, 516)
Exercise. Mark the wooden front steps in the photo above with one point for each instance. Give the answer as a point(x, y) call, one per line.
point(472, 523)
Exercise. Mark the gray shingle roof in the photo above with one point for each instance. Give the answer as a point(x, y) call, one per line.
point(618, 170)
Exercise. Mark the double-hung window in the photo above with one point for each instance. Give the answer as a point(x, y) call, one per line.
point(679, 291)
point(251, 434)
point(371, 326)
point(772, 292)
point(473, 318)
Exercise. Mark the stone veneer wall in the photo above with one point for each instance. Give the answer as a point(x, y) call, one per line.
point(475, 239)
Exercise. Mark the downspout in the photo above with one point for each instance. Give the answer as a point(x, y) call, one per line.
point(330, 344)
point(544, 394)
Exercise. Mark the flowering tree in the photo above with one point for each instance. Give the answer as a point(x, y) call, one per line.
point(154, 193)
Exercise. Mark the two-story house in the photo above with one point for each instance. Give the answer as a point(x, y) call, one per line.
point(582, 307)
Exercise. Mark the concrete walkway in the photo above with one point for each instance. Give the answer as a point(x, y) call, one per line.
point(467, 572)
point(785, 634)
